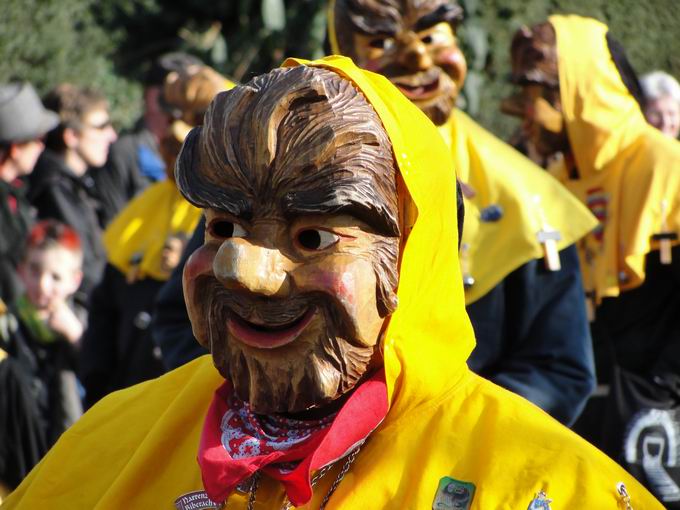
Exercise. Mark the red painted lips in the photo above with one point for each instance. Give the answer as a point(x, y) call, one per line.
point(268, 337)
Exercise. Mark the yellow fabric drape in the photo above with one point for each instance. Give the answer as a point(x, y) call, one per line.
point(530, 199)
point(628, 171)
point(140, 231)
point(136, 449)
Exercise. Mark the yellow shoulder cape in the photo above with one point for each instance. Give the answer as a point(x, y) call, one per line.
point(136, 237)
point(529, 198)
point(629, 173)
point(136, 449)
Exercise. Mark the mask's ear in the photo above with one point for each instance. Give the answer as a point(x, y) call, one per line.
point(461, 211)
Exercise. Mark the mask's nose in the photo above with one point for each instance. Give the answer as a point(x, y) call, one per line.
point(241, 265)
point(413, 54)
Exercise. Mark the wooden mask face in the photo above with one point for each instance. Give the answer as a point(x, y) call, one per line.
point(535, 72)
point(299, 267)
point(410, 42)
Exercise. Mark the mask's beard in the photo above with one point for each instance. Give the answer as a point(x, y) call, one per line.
point(319, 366)
point(439, 109)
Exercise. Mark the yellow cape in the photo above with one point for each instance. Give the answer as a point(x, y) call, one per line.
point(627, 169)
point(137, 448)
point(531, 200)
point(140, 231)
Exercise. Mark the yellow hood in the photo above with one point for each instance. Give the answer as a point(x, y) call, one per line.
point(627, 169)
point(429, 337)
point(135, 238)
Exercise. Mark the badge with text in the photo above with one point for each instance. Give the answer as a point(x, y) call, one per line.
point(453, 494)
point(540, 502)
point(197, 500)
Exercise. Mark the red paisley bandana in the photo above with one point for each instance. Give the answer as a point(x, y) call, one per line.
point(236, 442)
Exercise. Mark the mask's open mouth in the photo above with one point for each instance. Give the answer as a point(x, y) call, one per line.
point(268, 336)
point(419, 91)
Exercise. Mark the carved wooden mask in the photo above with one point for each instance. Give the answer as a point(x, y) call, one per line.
point(535, 72)
point(299, 267)
point(411, 42)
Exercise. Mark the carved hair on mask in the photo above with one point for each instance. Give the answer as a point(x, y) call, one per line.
point(411, 42)
point(299, 268)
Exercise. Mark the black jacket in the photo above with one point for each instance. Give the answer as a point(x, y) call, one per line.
point(56, 192)
point(15, 222)
point(39, 398)
point(117, 350)
point(533, 337)
point(123, 177)
point(171, 329)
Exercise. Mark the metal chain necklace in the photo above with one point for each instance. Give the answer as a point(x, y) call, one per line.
point(287, 505)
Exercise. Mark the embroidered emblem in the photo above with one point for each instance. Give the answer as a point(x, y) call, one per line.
point(597, 201)
point(652, 442)
point(540, 502)
point(624, 497)
point(197, 500)
point(453, 494)
point(491, 214)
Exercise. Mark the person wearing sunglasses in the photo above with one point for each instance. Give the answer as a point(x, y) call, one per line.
point(62, 186)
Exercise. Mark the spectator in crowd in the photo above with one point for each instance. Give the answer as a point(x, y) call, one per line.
point(662, 102)
point(61, 187)
point(144, 244)
point(23, 123)
point(39, 334)
point(135, 159)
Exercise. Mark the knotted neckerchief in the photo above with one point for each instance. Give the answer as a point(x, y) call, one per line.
point(236, 443)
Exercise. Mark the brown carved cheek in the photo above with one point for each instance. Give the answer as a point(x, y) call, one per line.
point(351, 283)
point(452, 61)
point(198, 265)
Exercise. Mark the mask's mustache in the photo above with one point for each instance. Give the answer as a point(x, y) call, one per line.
point(272, 312)
point(398, 74)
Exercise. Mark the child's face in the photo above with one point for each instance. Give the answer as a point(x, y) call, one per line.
point(50, 275)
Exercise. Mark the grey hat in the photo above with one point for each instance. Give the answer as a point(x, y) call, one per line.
point(22, 115)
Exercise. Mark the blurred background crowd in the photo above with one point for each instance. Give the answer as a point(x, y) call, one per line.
point(95, 101)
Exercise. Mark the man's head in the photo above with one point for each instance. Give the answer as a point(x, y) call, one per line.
point(51, 269)
point(156, 116)
point(534, 70)
point(411, 42)
point(299, 269)
point(187, 93)
point(23, 124)
point(662, 102)
point(85, 133)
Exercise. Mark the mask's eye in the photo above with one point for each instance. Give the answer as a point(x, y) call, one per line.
point(224, 229)
point(382, 43)
point(316, 239)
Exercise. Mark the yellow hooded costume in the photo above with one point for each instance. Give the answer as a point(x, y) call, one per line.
point(525, 199)
point(446, 427)
point(629, 172)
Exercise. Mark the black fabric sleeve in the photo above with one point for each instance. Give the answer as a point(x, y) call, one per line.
point(171, 329)
point(533, 337)
point(98, 352)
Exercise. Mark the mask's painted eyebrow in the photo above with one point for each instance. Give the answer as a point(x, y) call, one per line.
point(444, 13)
point(374, 25)
point(231, 201)
point(343, 200)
